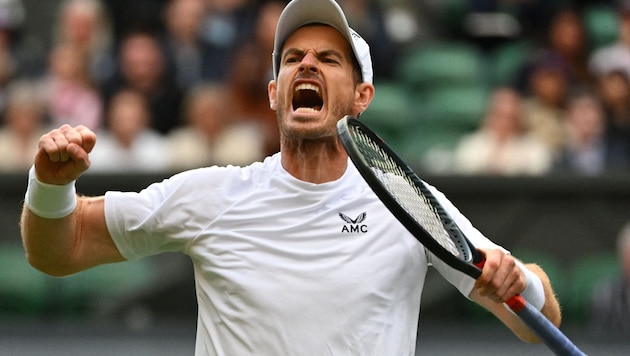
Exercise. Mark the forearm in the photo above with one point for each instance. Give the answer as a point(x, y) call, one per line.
point(550, 308)
point(49, 243)
point(70, 244)
point(63, 233)
point(49, 223)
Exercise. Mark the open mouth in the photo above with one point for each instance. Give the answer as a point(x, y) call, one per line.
point(307, 98)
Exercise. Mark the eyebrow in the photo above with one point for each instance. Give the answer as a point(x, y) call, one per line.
point(320, 54)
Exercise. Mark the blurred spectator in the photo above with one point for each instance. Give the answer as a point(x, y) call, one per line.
point(210, 136)
point(548, 84)
point(12, 18)
point(408, 23)
point(567, 38)
point(532, 13)
point(617, 54)
point(86, 25)
point(129, 145)
point(22, 52)
point(367, 17)
point(610, 305)
point(188, 56)
point(19, 56)
point(529, 15)
point(249, 74)
point(225, 25)
point(585, 151)
point(133, 16)
point(71, 98)
point(8, 69)
point(502, 146)
point(142, 67)
point(566, 43)
point(490, 24)
point(24, 123)
point(614, 91)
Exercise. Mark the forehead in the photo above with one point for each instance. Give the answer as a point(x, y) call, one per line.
point(318, 37)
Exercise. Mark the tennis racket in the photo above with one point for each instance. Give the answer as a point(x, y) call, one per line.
point(413, 204)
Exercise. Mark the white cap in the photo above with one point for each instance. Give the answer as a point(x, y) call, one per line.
point(303, 12)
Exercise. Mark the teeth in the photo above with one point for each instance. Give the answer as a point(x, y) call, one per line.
point(306, 86)
point(306, 110)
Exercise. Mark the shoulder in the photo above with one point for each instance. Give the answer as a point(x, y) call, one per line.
point(226, 175)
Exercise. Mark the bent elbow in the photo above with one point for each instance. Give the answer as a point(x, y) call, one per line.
point(45, 266)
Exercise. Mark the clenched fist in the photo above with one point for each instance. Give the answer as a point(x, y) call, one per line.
point(63, 154)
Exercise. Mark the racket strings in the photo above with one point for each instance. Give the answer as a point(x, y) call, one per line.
point(409, 195)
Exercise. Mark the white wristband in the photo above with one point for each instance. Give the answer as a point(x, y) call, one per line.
point(534, 293)
point(49, 201)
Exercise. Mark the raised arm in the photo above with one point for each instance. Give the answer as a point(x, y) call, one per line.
point(62, 233)
point(502, 278)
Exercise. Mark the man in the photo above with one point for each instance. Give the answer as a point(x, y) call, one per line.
point(609, 313)
point(277, 271)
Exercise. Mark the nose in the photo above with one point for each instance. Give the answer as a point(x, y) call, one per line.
point(309, 63)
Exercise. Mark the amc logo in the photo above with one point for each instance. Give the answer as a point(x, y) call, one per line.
point(354, 225)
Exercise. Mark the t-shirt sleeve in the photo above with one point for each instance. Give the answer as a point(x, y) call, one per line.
point(164, 217)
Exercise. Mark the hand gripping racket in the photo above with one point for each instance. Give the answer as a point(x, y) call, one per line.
point(411, 202)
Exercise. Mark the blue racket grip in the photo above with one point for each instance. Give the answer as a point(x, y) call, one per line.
point(536, 321)
point(543, 328)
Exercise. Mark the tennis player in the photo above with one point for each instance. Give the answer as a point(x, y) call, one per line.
point(294, 255)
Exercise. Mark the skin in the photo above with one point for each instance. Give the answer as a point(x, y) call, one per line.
point(308, 140)
point(311, 151)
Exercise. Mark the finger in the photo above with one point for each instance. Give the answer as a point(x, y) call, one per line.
point(74, 136)
point(489, 268)
point(62, 146)
point(66, 143)
point(53, 143)
point(507, 279)
point(48, 149)
point(88, 138)
point(515, 283)
point(79, 156)
point(492, 281)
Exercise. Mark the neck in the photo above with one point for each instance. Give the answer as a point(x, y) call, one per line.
point(313, 160)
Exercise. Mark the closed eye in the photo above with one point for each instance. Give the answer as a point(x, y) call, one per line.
point(293, 55)
point(329, 61)
point(330, 57)
point(292, 59)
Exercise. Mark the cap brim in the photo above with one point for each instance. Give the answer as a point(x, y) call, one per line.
point(299, 13)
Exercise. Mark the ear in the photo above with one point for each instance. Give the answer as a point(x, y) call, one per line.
point(363, 97)
point(271, 92)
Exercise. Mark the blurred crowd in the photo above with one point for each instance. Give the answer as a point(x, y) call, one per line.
point(565, 109)
point(176, 84)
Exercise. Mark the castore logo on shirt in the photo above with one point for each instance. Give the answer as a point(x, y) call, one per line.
point(354, 225)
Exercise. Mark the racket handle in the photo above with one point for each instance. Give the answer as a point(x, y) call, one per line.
point(543, 328)
point(538, 323)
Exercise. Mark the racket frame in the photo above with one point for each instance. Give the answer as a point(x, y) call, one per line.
point(468, 255)
point(470, 263)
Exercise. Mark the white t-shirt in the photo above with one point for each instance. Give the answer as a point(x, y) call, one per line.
point(282, 266)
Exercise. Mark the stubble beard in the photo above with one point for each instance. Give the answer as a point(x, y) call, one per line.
point(323, 131)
